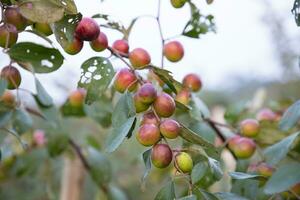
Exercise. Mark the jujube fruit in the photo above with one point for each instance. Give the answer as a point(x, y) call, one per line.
point(265, 170)
point(73, 47)
point(121, 46)
point(173, 51)
point(99, 44)
point(266, 114)
point(8, 31)
point(12, 76)
point(161, 155)
point(164, 105)
point(43, 28)
point(249, 127)
point(87, 29)
point(244, 148)
point(8, 99)
point(125, 78)
point(139, 58)
point(76, 98)
point(184, 162)
point(150, 118)
point(148, 134)
point(147, 93)
point(139, 105)
point(14, 17)
point(193, 82)
point(183, 96)
point(169, 128)
point(178, 3)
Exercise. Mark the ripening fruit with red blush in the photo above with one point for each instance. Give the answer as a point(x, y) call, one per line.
point(43, 28)
point(150, 118)
point(139, 58)
point(13, 16)
point(76, 98)
point(164, 105)
point(169, 128)
point(12, 76)
point(99, 44)
point(244, 148)
point(87, 29)
point(124, 79)
point(161, 155)
point(147, 93)
point(8, 99)
point(266, 114)
point(249, 127)
point(193, 82)
point(265, 169)
point(148, 134)
point(121, 46)
point(233, 141)
point(8, 32)
point(73, 47)
point(183, 96)
point(173, 51)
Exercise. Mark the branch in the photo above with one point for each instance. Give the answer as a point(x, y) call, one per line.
point(160, 33)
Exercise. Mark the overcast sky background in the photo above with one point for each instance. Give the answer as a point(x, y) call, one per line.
point(242, 46)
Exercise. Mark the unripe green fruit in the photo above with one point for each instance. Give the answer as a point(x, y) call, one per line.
point(43, 28)
point(161, 155)
point(193, 82)
point(13, 16)
point(139, 58)
point(8, 99)
point(146, 93)
point(148, 134)
point(244, 148)
point(121, 46)
point(178, 3)
point(249, 127)
point(125, 79)
point(173, 51)
point(139, 105)
point(169, 128)
point(76, 98)
point(87, 29)
point(164, 105)
point(100, 44)
point(8, 31)
point(184, 162)
point(12, 76)
point(266, 114)
point(73, 47)
point(183, 97)
point(150, 118)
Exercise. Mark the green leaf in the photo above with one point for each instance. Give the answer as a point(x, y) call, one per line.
point(207, 195)
point(275, 153)
point(199, 109)
point(291, 117)
point(229, 196)
point(22, 121)
point(194, 138)
point(36, 57)
point(182, 106)
point(5, 117)
point(42, 97)
point(68, 5)
point(167, 78)
point(57, 142)
point(190, 197)
point(198, 24)
point(65, 28)
point(242, 176)
point(100, 166)
point(97, 73)
point(3, 86)
point(167, 192)
point(119, 134)
point(147, 162)
point(115, 193)
point(215, 168)
point(283, 179)
point(42, 11)
point(198, 172)
point(123, 110)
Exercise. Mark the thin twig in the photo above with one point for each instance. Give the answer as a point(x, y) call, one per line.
point(160, 33)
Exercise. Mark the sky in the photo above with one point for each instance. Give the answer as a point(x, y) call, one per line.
point(242, 46)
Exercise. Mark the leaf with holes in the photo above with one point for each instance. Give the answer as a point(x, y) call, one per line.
point(96, 75)
point(64, 29)
point(42, 11)
point(167, 78)
point(37, 58)
point(198, 24)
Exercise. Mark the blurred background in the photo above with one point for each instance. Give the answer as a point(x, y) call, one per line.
point(254, 52)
